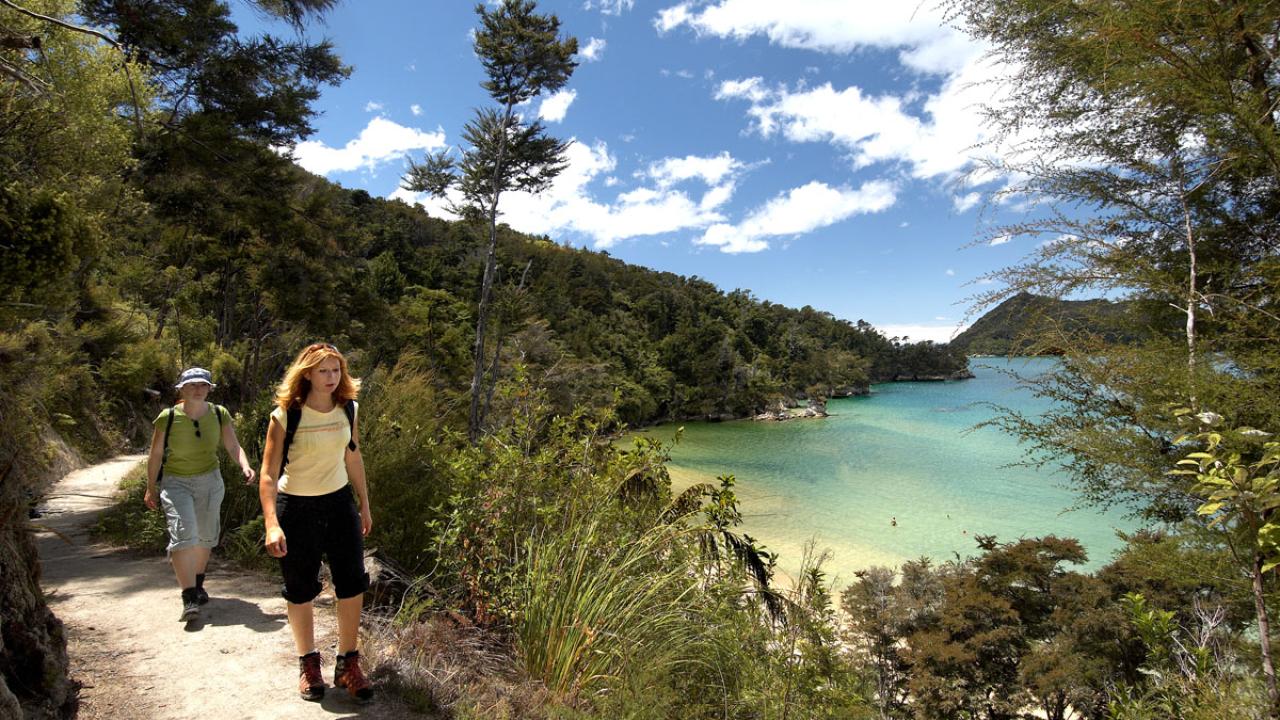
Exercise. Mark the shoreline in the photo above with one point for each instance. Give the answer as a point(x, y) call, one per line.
point(799, 401)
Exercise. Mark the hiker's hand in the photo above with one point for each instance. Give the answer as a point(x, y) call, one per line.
point(276, 546)
point(366, 520)
point(249, 475)
point(151, 498)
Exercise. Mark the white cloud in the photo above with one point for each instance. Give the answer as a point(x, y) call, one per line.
point(936, 135)
point(716, 196)
point(751, 88)
point(937, 141)
point(798, 211)
point(919, 31)
point(919, 332)
point(672, 17)
point(964, 203)
point(710, 170)
point(593, 50)
point(554, 108)
point(373, 106)
point(569, 206)
point(951, 272)
point(380, 141)
point(609, 7)
point(1000, 240)
point(416, 109)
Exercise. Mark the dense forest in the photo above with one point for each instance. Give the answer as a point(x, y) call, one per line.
point(1028, 324)
point(149, 222)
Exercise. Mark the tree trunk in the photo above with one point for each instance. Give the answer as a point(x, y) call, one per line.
point(476, 417)
point(1191, 296)
point(497, 350)
point(1264, 636)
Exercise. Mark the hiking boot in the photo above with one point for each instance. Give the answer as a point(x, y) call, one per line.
point(202, 597)
point(348, 675)
point(190, 605)
point(310, 679)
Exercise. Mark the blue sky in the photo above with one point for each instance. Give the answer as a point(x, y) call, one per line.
point(814, 152)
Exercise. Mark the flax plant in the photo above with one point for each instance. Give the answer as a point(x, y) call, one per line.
point(593, 613)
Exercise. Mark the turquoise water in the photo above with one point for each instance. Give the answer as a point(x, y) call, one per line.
point(905, 454)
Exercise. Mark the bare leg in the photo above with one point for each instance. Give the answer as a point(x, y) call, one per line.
point(202, 559)
point(349, 623)
point(302, 623)
point(186, 563)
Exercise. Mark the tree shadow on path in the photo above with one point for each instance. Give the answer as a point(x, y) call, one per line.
point(222, 612)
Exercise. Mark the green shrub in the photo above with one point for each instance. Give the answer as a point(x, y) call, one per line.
point(244, 546)
point(407, 451)
point(130, 522)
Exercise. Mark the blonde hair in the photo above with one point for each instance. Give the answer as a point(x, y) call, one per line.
point(293, 389)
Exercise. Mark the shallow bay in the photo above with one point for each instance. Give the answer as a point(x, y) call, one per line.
point(893, 476)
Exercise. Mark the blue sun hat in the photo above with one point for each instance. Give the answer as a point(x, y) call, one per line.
point(195, 375)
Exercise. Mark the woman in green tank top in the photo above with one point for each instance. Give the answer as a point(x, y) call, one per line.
point(183, 478)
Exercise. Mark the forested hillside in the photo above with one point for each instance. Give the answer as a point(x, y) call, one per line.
point(1028, 324)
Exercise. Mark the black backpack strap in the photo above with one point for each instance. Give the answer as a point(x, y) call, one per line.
point(165, 455)
point(293, 416)
point(217, 410)
point(349, 407)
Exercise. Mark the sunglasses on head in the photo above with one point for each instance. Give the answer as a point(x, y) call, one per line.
point(323, 346)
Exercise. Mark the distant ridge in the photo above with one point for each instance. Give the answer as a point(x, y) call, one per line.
point(1028, 324)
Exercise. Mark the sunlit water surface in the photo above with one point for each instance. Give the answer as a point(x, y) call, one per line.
point(893, 476)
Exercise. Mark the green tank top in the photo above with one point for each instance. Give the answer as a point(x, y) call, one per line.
point(188, 454)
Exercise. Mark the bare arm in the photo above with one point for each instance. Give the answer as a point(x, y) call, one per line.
point(237, 453)
point(152, 496)
point(274, 445)
point(355, 474)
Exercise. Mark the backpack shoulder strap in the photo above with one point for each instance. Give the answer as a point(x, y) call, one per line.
point(168, 425)
point(292, 417)
point(217, 410)
point(349, 407)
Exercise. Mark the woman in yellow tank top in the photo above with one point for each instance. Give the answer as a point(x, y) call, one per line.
point(310, 466)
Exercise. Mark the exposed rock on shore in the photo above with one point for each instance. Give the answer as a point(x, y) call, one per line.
point(964, 374)
point(816, 408)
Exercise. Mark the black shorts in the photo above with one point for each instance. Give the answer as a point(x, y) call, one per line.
point(315, 526)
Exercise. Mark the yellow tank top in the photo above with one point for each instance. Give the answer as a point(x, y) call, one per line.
point(317, 456)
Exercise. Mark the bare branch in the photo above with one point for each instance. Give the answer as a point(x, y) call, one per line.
point(61, 23)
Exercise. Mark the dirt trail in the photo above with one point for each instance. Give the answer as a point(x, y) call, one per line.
point(132, 655)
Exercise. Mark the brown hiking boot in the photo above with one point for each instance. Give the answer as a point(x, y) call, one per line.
point(348, 675)
point(310, 680)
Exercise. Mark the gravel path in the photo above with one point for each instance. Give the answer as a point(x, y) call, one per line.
point(134, 658)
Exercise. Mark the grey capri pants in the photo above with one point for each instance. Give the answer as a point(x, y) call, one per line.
point(192, 508)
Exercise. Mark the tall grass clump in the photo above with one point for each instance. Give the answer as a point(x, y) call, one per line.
point(408, 448)
point(593, 613)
